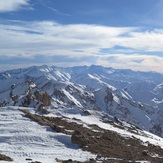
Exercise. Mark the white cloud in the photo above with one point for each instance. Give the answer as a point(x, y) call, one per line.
point(150, 41)
point(52, 38)
point(30, 39)
point(135, 61)
point(12, 5)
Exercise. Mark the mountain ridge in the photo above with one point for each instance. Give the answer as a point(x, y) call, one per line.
point(132, 96)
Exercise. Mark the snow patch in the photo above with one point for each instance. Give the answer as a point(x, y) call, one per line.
point(22, 138)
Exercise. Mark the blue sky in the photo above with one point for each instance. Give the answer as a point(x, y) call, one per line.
point(112, 33)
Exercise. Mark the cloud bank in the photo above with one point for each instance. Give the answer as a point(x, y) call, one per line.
point(12, 5)
point(75, 44)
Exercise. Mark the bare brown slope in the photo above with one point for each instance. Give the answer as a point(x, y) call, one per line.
point(102, 142)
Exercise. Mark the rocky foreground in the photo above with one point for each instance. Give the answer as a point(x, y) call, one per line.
point(109, 146)
point(5, 158)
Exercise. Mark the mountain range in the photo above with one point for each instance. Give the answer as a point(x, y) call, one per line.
point(115, 95)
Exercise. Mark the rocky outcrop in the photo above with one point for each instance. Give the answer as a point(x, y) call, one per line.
point(5, 158)
point(45, 99)
point(38, 96)
point(78, 138)
point(108, 98)
point(42, 109)
point(103, 143)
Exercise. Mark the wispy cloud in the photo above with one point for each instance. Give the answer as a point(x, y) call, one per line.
point(12, 5)
point(51, 38)
point(82, 43)
point(134, 61)
point(47, 4)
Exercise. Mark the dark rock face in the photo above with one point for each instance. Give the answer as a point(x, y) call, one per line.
point(75, 137)
point(46, 99)
point(78, 138)
point(5, 158)
point(86, 112)
point(43, 99)
point(42, 109)
point(37, 95)
point(26, 94)
point(109, 97)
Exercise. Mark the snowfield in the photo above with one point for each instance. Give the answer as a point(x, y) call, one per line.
point(21, 139)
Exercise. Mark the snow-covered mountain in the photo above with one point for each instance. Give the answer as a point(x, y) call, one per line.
point(127, 102)
point(134, 97)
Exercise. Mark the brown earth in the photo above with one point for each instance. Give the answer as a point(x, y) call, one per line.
point(104, 143)
point(5, 158)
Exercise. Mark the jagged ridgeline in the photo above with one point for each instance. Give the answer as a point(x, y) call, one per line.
point(134, 97)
